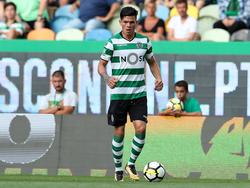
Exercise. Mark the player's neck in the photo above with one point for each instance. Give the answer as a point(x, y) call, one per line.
point(128, 37)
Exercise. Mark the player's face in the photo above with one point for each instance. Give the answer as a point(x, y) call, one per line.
point(181, 93)
point(128, 24)
point(182, 9)
point(58, 83)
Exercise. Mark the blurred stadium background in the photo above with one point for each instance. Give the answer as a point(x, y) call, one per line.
point(210, 151)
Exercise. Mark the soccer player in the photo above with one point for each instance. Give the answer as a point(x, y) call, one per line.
point(128, 53)
point(62, 101)
point(191, 105)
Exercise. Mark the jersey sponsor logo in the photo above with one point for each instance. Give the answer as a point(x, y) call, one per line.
point(132, 58)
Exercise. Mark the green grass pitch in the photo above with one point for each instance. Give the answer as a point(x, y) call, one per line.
point(23, 181)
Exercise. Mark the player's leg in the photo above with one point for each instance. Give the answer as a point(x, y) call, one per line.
point(137, 145)
point(138, 115)
point(117, 150)
point(117, 117)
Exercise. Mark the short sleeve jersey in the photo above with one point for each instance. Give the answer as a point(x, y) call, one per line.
point(67, 98)
point(128, 60)
point(192, 105)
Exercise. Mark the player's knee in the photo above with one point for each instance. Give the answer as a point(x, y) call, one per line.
point(140, 129)
point(119, 131)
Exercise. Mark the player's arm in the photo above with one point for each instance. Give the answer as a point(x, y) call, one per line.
point(111, 81)
point(154, 67)
point(52, 110)
point(65, 110)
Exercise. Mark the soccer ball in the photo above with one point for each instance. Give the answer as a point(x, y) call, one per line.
point(175, 104)
point(154, 172)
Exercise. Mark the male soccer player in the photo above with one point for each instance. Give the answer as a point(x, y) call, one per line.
point(62, 101)
point(128, 53)
point(191, 105)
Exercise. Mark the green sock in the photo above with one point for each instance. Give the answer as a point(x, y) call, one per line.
point(117, 150)
point(137, 145)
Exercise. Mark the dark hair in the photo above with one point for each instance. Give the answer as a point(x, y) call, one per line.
point(182, 83)
point(9, 4)
point(58, 73)
point(181, 2)
point(128, 11)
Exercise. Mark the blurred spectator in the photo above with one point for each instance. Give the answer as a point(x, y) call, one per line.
point(64, 14)
point(10, 28)
point(131, 3)
point(94, 14)
point(182, 27)
point(247, 13)
point(33, 12)
point(233, 14)
point(197, 3)
point(2, 10)
point(170, 3)
point(62, 101)
point(191, 105)
point(60, 3)
point(150, 25)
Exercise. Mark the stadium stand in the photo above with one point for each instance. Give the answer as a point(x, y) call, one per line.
point(233, 16)
point(161, 12)
point(216, 35)
point(211, 11)
point(1, 10)
point(241, 35)
point(208, 15)
point(151, 25)
point(114, 25)
point(192, 11)
point(94, 14)
point(41, 34)
point(98, 34)
point(62, 16)
point(70, 34)
point(34, 13)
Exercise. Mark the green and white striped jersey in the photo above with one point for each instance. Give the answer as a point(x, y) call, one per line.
point(128, 59)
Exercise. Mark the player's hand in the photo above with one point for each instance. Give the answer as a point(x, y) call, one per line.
point(158, 85)
point(111, 81)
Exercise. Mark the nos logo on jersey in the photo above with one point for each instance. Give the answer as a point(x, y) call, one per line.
point(132, 58)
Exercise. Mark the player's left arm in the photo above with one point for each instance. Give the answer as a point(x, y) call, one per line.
point(154, 67)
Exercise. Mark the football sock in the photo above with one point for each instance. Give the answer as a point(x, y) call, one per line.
point(137, 145)
point(117, 150)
